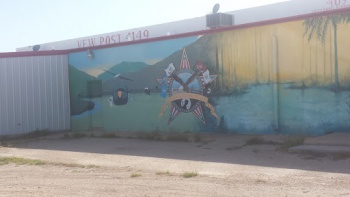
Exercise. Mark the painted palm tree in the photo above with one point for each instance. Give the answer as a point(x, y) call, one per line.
point(319, 26)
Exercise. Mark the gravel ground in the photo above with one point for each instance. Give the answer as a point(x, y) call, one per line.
point(136, 167)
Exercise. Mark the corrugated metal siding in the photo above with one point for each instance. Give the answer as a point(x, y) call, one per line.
point(34, 94)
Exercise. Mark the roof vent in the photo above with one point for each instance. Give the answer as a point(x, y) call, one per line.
point(217, 20)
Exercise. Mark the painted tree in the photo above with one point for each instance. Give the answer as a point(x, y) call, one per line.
point(319, 26)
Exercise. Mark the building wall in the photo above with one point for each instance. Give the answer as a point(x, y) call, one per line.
point(264, 79)
point(246, 16)
point(34, 94)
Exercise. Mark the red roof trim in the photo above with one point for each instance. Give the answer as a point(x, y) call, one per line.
point(209, 31)
point(195, 33)
point(33, 53)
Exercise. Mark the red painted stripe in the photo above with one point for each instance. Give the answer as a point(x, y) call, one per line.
point(195, 33)
point(33, 53)
point(210, 31)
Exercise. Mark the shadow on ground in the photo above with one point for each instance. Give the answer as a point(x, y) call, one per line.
point(266, 151)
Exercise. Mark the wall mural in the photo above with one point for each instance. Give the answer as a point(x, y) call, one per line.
point(291, 77)
point(185, 88)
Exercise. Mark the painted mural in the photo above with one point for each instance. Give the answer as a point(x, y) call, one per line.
point(185, 88)
point(291, 77)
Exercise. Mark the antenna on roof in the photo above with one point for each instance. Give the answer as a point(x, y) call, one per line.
point(36, 47)
point(216, 8)
point(217, 20)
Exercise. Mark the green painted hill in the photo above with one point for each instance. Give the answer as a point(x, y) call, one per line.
point(147, 77)
point(123, 67)
point(78, 90)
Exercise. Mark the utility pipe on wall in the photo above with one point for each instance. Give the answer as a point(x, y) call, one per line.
point(276, 84)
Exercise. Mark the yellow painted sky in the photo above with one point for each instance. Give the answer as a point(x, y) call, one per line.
point(250, 53)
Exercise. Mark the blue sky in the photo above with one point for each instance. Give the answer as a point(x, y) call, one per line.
point(30, 22)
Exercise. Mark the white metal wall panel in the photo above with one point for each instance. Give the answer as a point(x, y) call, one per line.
point(34, 94)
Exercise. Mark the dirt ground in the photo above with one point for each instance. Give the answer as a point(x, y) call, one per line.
point(137, 167)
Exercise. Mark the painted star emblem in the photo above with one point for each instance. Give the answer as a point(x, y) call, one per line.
point(185, 87)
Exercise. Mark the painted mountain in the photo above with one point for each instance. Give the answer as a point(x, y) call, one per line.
point(78, 91)
point(147, 76)
point(250, 56)
point(123, 67)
